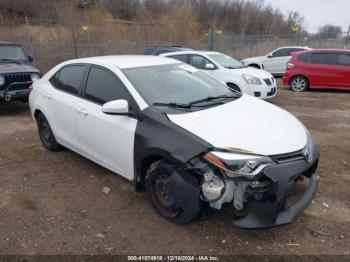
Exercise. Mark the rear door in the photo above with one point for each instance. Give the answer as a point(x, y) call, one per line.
point(106, 139)
point(277, 61)
point(321, 70)
point(61, 99)
point(342, 66)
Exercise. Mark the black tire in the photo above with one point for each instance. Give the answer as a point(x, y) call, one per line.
point(255, 66)
point(46, 135)
point(299, 84)
point(158, 198)
point(24, 100)
point(234, 87)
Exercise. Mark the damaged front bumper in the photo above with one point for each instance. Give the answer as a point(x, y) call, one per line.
point(272, 211)
point(259, 202)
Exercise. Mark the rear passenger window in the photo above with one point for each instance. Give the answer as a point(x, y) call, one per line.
point(322, 58)
point(304, 58)
point(342, 59)
point(69, 79)
point(182, 58)
point(199, 61)
point(163, 51)
point(103, 86)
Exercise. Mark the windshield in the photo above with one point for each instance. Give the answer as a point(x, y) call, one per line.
point(175, 83)
point(11, 52)
point(226, 61)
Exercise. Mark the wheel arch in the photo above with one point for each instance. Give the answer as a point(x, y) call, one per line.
point(151, 156)
point(256, 65)
point(228, 83)
point(37, 112)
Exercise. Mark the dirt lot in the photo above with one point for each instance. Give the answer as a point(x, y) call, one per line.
point(52, 203)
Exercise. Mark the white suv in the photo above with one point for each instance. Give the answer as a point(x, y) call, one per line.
point(250, 81)
point(274, 62)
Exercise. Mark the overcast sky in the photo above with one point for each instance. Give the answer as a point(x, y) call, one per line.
point(317, 12)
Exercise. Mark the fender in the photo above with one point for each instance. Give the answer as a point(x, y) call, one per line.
point(156, 136)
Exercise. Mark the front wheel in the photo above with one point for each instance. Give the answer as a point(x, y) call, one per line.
point(158, 176)
point(299, 84)
point(234, 87)
point(46, 135)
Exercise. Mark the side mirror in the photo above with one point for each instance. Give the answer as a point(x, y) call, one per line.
point(209, 66)
point(269, 56)
point(116, 107)
point(30, 58)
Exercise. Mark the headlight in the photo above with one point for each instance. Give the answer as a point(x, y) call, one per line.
point(237, 164)
point(308, 151)
point(2, 80)
point(252, 80)
point(34, 77)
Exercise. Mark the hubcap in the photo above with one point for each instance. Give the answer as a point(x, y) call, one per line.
point(166, 203)
point(298, 84)
point(45, 132)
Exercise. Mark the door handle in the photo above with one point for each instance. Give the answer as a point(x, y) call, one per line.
point(82, 111)
point(47, 96)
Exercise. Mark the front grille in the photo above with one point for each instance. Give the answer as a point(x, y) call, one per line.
point(289, 157)
point(268, 81)
point(17, 81)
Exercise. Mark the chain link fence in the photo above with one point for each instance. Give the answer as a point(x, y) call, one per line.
point(248, 46)
point(50, 43)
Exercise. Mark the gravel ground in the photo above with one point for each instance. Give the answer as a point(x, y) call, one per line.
point(53, 203)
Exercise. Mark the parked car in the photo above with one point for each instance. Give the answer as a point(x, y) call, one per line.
point(16, 72)
point(157, 50)
point(274, 62)
point(319, 69)
point(234, 74)
point(179, 134)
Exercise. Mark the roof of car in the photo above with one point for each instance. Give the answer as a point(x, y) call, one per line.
point(324, 50)
point(126, 61)
point(295, 46)
point(191, 52)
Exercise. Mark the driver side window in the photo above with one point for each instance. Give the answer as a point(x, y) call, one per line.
point(281, 52)
point(199, 62)
point(103, 86)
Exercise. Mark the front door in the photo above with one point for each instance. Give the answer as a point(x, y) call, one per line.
point(107, 139)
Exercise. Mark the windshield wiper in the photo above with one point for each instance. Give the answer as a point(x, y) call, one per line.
point(175, 105)
point(211, 98)
point(9, 60)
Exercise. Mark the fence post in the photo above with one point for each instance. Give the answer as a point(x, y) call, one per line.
point(251, 46)
point(30, 38)
point(210, 39)
point(347, 38)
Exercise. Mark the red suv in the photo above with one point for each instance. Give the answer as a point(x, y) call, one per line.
point(319, 68)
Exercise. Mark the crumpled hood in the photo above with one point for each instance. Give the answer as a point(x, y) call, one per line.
point(248, 124)
point(6, 68)
point(250, 71)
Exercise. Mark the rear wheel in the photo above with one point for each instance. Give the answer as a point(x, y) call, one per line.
point(299, 84)
point(46, 135)
point(158, 176)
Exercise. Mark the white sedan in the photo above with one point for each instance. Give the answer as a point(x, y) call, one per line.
point(180, 135)
point(250, 81)
point(274, 62)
